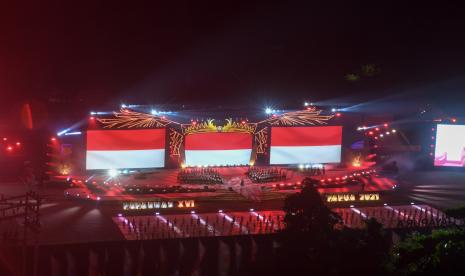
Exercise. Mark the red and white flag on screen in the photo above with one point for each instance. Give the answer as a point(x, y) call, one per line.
point(305, 145)
point(125, 149)
point(218, 148)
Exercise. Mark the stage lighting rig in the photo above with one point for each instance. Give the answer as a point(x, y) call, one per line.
point(113, 172)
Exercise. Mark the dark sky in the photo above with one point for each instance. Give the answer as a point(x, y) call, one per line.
point(103, 53)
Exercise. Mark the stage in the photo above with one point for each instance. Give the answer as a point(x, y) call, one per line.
point(163, 184)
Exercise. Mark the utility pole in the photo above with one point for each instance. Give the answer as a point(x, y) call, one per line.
point(26, 206)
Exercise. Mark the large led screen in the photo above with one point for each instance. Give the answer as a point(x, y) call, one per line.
point(125, 149)
point(218, 148)
point(305, 145)
point(450, 146)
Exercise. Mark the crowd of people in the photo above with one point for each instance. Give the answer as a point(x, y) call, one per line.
point(134, 189)
point(199, 176)
point(314, 170)
point(403, 216)
point(263, 175)
point(220, 224)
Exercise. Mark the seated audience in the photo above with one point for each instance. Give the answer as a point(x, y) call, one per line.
point(199, 176)
point(263, 175)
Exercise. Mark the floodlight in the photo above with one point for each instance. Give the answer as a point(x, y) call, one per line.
point(112, 172)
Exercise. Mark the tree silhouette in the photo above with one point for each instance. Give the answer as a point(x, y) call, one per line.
point(306, 211)
point(441, 252)
point(313, 245)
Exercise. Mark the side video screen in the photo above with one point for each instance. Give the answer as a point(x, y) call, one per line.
point(125, 149)
point(450, 146)
point(305, 145)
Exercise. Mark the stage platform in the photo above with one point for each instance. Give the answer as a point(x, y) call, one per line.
point(236, 185)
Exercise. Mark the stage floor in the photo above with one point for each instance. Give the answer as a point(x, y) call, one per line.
point(231, 189)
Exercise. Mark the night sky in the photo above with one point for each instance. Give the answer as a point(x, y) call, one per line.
point(101, 54)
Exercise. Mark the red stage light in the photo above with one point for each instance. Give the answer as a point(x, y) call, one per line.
point(9, 148)
point(274, 116)
point(338, 114)
point(453, 120)
point(53, 139)
point(370, 132)
point(243, 122)
point(377, 129)
point(376, 138)
point(92, 118)
point(194, 123)
point(4, 138)
point(385, 125)
point(18, 144)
